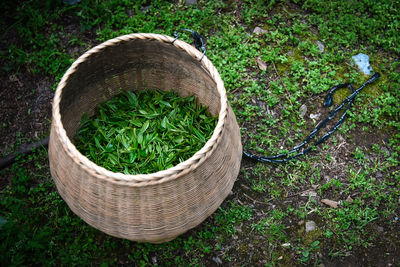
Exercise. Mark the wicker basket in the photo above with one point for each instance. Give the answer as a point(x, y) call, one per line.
point(154, 207)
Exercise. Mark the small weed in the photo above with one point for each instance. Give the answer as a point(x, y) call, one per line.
point(40, 39)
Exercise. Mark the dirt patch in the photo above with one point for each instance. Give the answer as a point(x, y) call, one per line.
point(25, 105)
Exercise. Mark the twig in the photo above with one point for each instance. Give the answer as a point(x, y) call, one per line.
point(256, 201)
point(283, 84)
point(234, 91)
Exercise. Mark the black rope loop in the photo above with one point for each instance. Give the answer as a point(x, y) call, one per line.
point(197, 40)
point(285, 157)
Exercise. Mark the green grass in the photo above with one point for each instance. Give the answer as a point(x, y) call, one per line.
point(263, 221)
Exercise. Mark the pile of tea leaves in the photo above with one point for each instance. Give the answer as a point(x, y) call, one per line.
point(144, 132)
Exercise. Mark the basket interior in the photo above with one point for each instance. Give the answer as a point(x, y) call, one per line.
point(133, 65)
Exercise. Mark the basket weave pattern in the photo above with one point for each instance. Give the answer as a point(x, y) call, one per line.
point(153, 207)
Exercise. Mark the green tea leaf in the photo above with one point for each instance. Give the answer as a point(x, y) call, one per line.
point(145, 131)
point(132, 156)
point(164, 122)
point(140, 138)
point(199, 135)
point(145, 126)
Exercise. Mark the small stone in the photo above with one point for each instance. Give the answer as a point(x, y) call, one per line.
point(310, 226)
point(303, 110)
point(380, 229)
point(314, 116)
point(154, 260)
point(321, 46)
point(280, 258)
point(285, 245)
point(217, 260)
point(190, 2)
point(258, 30)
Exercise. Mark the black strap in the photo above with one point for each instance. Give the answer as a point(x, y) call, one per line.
point(284, 157)
point(197, 40)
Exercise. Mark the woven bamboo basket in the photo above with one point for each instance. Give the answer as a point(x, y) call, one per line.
point(154, 207)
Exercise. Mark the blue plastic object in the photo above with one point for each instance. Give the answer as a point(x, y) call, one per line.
point(362, 61)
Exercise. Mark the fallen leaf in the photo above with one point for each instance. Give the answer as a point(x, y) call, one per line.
point(331, 203)
point(261, 64)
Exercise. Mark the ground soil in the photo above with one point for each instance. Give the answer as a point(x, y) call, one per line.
point(25, 108)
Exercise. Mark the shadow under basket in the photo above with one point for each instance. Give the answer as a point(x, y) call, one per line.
point(154, 207)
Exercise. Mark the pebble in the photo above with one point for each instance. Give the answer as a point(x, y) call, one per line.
point(303, 110)
point(190, 2)
point(321, 46)
point(154, 260)
point(310, 226)
point(314, 116)
point(259, 30)
point(217, 260)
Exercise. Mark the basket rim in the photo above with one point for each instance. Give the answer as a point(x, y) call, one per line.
point(142, 179)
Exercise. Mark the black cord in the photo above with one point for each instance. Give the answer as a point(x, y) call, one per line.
point(197, 40)
point(285, 157)
point(24, 149)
